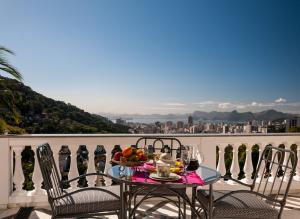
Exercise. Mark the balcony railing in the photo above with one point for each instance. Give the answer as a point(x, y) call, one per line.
point(213, 147)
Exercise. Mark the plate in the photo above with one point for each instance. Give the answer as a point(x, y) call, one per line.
point(172, 177)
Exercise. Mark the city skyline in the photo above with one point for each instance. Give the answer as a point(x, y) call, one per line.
point(158, 57)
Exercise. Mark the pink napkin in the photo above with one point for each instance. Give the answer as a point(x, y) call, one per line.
point(192, 178)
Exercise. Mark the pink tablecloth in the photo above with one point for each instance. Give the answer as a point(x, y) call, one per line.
point(192, 178)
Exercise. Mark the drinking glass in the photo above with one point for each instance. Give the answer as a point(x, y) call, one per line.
point(185, 158)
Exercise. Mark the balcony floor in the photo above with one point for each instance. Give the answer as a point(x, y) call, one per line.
point(149, 210)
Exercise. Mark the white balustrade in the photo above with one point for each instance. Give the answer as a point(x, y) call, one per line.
point(91, 166)
point(287, 161)
point(37, 175)
point(208, 144)
point(261, 170)
point(273, 167)
point(221, 163)
point(297, 177)
point(248, 168)
point(73, 172)
point(235, 168)
point(18, 177)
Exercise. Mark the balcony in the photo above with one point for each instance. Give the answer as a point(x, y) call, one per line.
point(13, 195)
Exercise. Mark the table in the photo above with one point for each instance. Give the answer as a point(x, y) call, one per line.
point(123, 175)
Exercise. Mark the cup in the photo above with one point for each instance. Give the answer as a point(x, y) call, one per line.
point(163, 170)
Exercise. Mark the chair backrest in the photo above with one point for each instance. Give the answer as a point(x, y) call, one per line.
point(52, 182)
point(274, 174)
point(164, 144)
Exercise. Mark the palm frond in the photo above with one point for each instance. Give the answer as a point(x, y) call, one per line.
point(6, 50)
point(5, 66)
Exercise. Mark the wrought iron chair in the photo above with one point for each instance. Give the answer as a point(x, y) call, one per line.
point(265, 197)
point(85, 202)
point(159, 144)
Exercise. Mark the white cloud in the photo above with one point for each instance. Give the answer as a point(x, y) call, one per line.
point(205, 103)
point(225, 105)
point(280, 100)
point(254, 104)
point(175, 104)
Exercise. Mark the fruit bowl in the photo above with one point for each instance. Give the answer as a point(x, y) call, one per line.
point(128, 163)
point(129, 156)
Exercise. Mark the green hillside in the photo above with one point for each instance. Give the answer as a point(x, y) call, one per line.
point(40, 114)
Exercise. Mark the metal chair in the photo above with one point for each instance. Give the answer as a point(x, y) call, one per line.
point(84, 202)
point(160, 144)
point(265, 197)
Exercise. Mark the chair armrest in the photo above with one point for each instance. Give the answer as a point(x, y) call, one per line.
point(237, 181)
point(86, 189)
point(84, 175)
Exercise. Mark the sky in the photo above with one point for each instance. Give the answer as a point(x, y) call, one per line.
point(152, 56)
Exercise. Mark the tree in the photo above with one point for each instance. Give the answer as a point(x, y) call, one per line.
point(6, 67)
point(7, 96)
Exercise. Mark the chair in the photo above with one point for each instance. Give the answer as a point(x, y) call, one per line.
point(265, 197)
point(154, 144)
point(85, 202)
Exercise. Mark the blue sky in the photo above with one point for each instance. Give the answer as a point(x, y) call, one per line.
point(158, 56)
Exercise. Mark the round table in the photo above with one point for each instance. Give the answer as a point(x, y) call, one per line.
point(123, 175)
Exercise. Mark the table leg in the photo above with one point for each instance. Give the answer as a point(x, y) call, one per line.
point(210, 202)
point(123, 202)
point(194, 190)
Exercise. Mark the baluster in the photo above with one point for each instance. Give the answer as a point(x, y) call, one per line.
point(248, 168)
point(73, 166)
point(235, 168)
point(18, 177)
point(91, 166)
point(221, 164)
point(273, 167)
point(260, 171)
point(37, 175)
point(55, 148)
point(297, 177)
point(286, 163)
point(100, 159)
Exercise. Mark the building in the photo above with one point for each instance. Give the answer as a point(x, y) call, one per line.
point(225, 129)
point(292, 123)
point(179, 125)
point(190, 121)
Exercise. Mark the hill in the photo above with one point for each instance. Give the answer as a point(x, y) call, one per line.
point(40, 114)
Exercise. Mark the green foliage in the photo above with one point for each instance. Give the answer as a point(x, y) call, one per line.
point(294, 129)
point(39, 114)
point(2, 126)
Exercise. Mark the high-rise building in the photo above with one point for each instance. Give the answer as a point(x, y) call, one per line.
point(190, 120)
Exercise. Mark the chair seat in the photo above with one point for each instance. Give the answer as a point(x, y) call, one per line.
point(238, 205)
point(89, 201)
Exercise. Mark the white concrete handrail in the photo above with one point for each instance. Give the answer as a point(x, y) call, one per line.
point(207, 143)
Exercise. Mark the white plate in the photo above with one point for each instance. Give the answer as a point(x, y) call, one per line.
point(172, 177)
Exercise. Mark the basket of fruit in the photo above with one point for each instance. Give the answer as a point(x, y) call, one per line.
point(129, 157)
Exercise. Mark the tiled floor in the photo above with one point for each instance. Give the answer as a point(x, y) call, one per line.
point(148, 210)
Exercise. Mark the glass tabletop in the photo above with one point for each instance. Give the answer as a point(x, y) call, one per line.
point(125, 174)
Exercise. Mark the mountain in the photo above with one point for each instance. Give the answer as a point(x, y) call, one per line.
point(235, 116)
point(40, 114)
